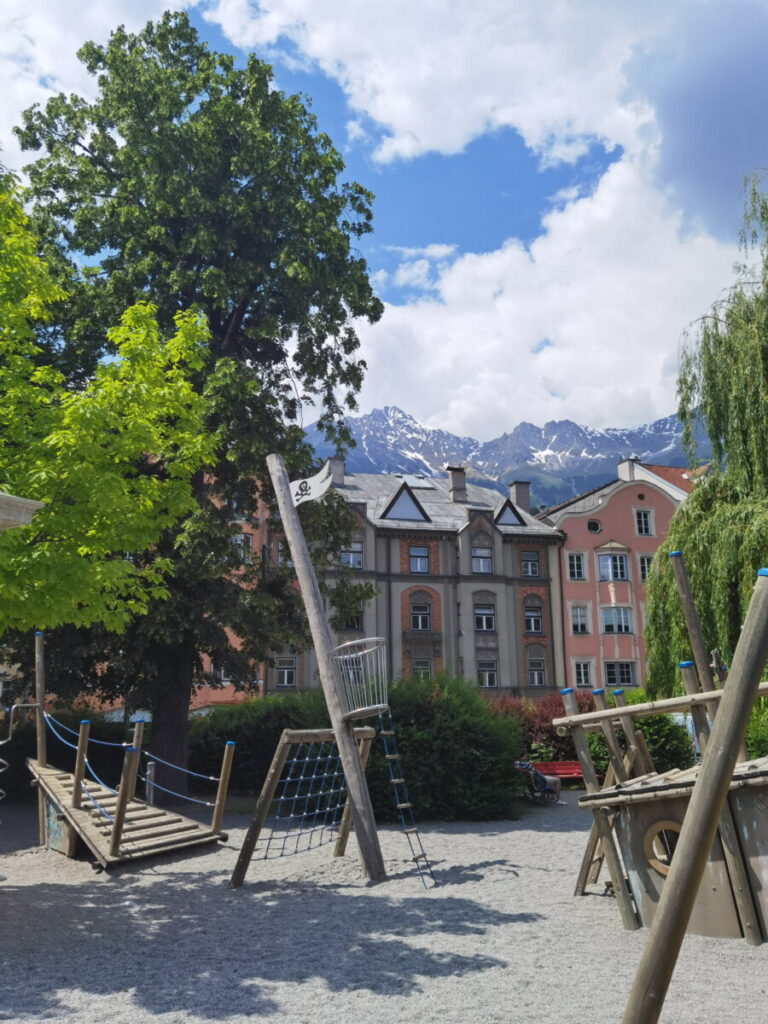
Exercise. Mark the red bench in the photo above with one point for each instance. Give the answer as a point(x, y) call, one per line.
point(560, 769)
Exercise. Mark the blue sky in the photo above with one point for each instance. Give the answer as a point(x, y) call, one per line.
point(558, 182)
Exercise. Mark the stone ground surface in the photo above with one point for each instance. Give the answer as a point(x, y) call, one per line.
point(500, 939)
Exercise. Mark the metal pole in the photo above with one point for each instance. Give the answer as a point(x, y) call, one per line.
point(703, 815)
point(357, 788)
point(42, 753)
point(149, 791)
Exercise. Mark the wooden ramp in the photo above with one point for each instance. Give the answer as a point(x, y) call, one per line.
point(147, 831)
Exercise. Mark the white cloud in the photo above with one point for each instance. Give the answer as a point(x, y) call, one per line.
point(436, 75)
point(610, 284)
point(38, 46)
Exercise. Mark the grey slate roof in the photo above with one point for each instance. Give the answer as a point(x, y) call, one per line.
point(377, 490)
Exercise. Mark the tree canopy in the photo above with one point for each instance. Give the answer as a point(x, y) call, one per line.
point(111, 460)
point(193, 183)
point(722, 528)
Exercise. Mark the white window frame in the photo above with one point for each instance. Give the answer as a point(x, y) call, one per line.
point(418, 559)
point(421, 668)
point(487, 675)
point(579, 619)
point(619, 669)
point(485, 618)
point(529, 563)
point(482, 560)
point(612, 568)
point(576, 558)
point(421, 611)
point(582, 675)
point(644, 564)
point(352, 555)
point(537, 672)
point(243, 543)
point(644, 522)
point(285, 673)
point(616, 619)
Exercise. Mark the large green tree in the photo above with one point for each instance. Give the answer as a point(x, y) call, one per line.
point(192, 182)
point(111, 460)
point(722, 528)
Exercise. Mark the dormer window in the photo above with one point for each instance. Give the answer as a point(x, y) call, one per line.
point(482, 560)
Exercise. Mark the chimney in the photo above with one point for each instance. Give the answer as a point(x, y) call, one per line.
point(626, 468)
point(520, 494)
point(337, 470)
point(457, 483)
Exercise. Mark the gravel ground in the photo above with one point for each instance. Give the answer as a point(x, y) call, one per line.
point(500, 939)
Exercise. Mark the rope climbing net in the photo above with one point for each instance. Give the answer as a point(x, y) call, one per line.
point(308, 801)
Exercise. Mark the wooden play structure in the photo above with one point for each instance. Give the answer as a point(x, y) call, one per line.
point(354, 680)
point(685, 849)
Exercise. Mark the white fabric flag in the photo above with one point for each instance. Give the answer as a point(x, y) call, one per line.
point(313, 487)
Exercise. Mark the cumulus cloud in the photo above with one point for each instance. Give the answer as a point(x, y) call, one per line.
point(583, 324)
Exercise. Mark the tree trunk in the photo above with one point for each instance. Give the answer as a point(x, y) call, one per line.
point(170, 716)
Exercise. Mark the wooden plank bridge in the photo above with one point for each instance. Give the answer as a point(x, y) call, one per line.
point(145, 831)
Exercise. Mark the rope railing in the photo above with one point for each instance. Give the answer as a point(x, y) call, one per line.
point(177, 767)
point(181, 796)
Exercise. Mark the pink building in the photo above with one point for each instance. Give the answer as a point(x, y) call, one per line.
point(610, 537)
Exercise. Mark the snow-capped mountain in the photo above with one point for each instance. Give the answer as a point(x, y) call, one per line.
point(560, 459)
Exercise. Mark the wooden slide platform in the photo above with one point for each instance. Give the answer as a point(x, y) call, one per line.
point(147, 831)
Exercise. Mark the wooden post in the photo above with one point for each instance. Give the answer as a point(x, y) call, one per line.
point(138, 739)
point(362, 810)
point(221, 793)
point(698, 714)
point(82, 753)
point(700, 656)
point(703, 815)
point(364, 746)
point(606, 727)
point(603, 826)
point(262, 809)
point(127, 779)
point(42, 753)
point(635, 738)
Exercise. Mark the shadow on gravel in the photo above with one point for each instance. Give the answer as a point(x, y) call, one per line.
point(190, 944)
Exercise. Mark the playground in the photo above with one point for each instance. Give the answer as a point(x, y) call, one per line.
point(306, 939)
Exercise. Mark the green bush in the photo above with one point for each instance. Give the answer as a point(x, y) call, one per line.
point(457, 755)
point(757, 729)
point(668, 742)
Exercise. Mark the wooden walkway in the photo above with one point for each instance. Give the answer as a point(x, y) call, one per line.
point(147, 831)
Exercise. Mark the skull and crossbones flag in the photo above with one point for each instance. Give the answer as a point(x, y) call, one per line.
point(313, 487)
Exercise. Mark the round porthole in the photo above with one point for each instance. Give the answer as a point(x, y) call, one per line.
point(659, 844)
point(641, 497)
point(594, 525)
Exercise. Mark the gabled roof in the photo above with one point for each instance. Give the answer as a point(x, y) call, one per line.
point(384, 494)
point(677, 475)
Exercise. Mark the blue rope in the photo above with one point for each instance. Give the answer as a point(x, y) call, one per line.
point(150, 756)
point(102, 811)
point(181, 796)
point(96, 777)
point(66, 728)
point(58, 736)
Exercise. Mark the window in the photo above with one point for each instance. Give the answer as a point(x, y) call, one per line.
point(534, 623)
point(352, 556)
point(619, 673)
point(613, 567)
point(579, 618)
point(244, 546)
point(486, 674)
point(582, 671)
point(530, 563)
point(482, 560)
point(576, 566)
point(422, 668)
point(285, 672)
point(643, 522)
point(418, 559)
point(617, 620)
point(221, 675)
point(536, 675)
point(485, 618)
point(594, 525)
point(420, 616)
point(645, 567)
point(284, 555)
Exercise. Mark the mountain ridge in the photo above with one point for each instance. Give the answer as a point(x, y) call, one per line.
point(560, 458)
